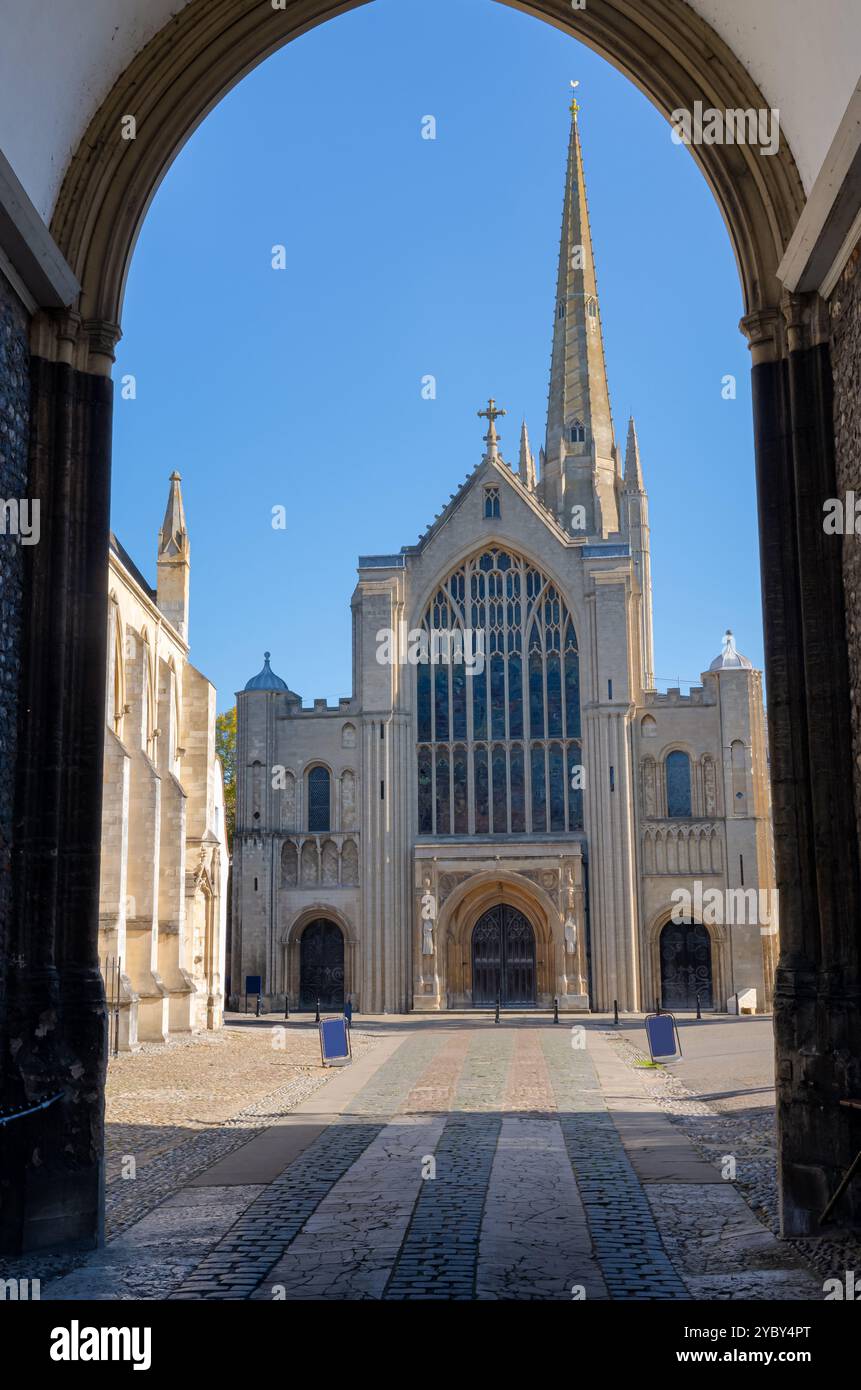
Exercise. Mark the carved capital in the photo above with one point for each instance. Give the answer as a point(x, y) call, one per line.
point(764, 330)
point(61, 335)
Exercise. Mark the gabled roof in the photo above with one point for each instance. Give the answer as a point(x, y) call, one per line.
point(485, 470)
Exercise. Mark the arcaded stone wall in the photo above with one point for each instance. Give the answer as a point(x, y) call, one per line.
point(846, 366)
point(14, 428)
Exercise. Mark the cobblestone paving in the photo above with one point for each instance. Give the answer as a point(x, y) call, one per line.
point(749, 1138)
point(469, 1162)
point(241, 1262)
point(626, 1240)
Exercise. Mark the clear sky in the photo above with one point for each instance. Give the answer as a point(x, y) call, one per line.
point(406, 257)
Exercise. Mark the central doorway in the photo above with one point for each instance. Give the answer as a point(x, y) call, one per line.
point(503, 958)
point(321, 966)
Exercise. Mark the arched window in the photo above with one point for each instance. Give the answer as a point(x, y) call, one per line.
point(491, 502)
point(498, 704)
point(319, 799)
point(678, 774)
point(577, 432)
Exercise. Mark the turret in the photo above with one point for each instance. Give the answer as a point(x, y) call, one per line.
point(174, 562)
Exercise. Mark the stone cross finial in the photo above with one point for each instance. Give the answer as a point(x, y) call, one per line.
point(491, 439)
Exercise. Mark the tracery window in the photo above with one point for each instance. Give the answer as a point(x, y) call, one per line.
point(491, 502)
point(499, 733)
point(578, 432)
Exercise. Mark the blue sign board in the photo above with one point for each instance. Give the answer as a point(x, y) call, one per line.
point(334, 1042)
point(663, 1035)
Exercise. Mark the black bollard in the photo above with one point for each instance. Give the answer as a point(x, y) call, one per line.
point(317, 1019)
point(286, 1005)
point(699, 1010)
point(555, 1010)
point(657, 1006)
point(616, 1012)
point(496, 1020)
point(257, 1012)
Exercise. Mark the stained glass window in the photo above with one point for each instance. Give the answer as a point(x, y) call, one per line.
point(423, 700)
point(518, 792)
point(678, 772)
point(481, 821)
point(500, 791)
point(318, 799)
point(504, 668)
point(539, 791)
point(425, 792)
point(461, 791)
point(443, 793)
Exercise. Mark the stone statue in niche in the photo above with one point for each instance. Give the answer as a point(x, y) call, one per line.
point(288, 803)
point(570, 920)
point(428, 915)
point(348, 801)
point(710, 788)
point(649, 794)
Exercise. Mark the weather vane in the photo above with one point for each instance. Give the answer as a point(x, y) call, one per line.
point(575, 105)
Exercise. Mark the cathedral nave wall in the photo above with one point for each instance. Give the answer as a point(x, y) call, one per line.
point(164, 856)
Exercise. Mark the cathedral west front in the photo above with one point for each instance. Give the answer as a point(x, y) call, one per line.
point(506, 808)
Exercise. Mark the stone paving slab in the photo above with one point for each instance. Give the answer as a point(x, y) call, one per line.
point(656, 1149)
point(362, 1221)
point(158, 1252)
point(553, 1173)
point(535, 1242)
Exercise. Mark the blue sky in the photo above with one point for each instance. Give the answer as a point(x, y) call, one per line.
point(406, 257)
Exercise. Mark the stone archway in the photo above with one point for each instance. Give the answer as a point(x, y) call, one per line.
point(483, 893)
point(675, 58)
point(719, 961)
point(293, 957)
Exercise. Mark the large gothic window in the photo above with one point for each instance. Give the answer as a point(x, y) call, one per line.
point(499, 731)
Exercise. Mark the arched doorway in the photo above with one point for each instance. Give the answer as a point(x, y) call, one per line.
point(686, 966)
point(503, 958)
point(321, 965)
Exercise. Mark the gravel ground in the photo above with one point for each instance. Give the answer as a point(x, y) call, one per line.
point(179, 1107)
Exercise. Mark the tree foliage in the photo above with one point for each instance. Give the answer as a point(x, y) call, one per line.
point(225, 747)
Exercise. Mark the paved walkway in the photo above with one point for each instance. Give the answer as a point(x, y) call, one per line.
point(457, 1159)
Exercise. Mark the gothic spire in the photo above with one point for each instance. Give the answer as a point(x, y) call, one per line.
point(633, 467)
point(173, 537)
point(526, 467)
point(580, 445)
point(174, 562)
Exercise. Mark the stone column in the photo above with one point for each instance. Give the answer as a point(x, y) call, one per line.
point(817, 1002)
point(51, 1191)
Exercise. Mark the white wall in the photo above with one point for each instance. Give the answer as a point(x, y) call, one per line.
point(804, 55)
point(60, 58)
